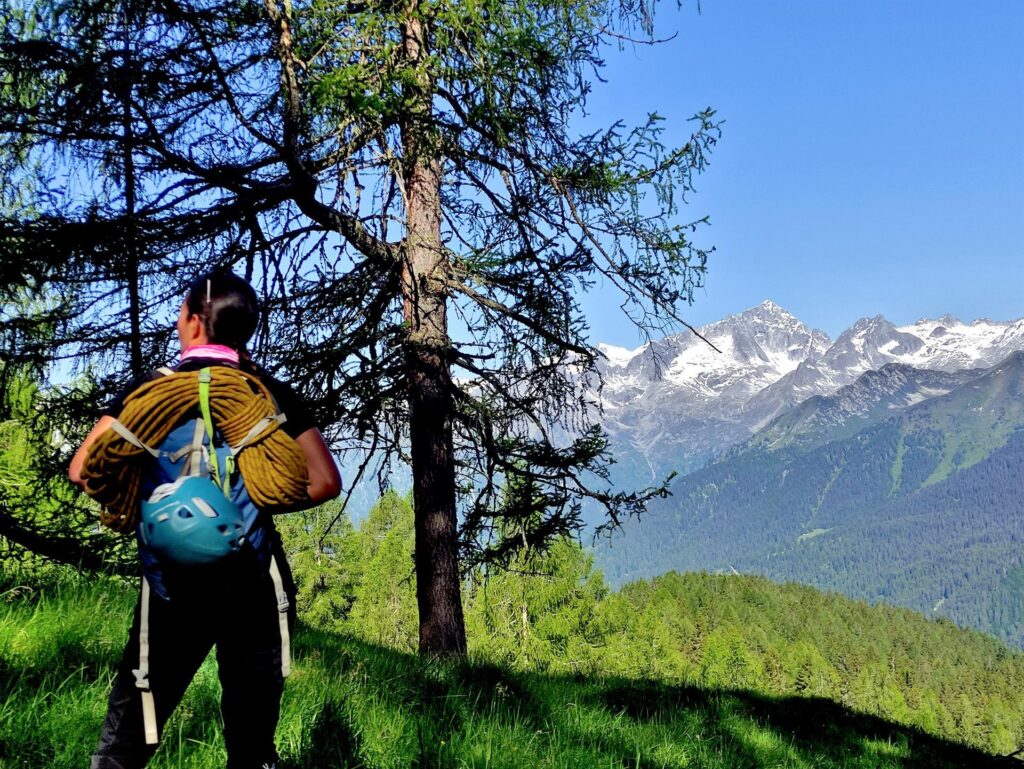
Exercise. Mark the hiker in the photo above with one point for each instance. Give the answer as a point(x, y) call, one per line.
point(243, 602)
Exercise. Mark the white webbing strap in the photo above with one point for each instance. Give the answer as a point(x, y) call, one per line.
point(282, 617)
point(129, 436)
point(256, 430)
point(194, 464)
point(142, 672)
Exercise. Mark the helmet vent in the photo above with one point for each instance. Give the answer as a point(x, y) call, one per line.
point(183, 512)
point(204, 507)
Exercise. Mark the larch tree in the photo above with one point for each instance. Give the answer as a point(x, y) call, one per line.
point(405, 182)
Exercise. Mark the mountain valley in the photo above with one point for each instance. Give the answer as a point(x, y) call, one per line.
point(886, 465)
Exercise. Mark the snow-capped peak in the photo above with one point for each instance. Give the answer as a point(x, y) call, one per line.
point(949, 344)
point(765, 313)
point(747, 352)
point(619, 357)
point(677, 399)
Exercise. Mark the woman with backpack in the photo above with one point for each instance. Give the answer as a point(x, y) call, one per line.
point(213, 569)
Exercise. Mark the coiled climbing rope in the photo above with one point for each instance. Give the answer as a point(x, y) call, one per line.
point(271, 462)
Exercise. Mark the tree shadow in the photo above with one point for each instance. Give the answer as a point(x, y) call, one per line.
point(814, 727)
point(737, 728)
point(442, 712)
point(435, 699)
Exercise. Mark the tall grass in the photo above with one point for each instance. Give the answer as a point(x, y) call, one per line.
point(350, 704)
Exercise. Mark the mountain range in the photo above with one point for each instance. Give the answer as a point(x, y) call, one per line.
point(886, 464)
point(677, 402)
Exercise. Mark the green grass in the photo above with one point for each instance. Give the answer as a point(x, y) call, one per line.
point(350, 704)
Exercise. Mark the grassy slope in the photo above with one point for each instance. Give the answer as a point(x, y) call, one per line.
point(349, 704)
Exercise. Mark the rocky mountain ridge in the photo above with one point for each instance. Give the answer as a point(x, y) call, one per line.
point(677, 402)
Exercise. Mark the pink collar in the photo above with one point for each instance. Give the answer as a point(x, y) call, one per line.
point(210, 352)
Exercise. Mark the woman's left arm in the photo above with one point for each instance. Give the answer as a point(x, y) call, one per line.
point(78, 460)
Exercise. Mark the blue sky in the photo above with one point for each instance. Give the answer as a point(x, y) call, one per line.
point(871, 159)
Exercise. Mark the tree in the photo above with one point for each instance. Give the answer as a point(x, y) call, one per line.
point(38, 514)
point(384, 607)
point(326, 562)
point(534, 605)
point(379, 167)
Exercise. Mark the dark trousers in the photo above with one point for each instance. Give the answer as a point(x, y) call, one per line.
point(235, 608)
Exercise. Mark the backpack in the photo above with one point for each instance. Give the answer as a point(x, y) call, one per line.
point(158, 419)
point(203, 513)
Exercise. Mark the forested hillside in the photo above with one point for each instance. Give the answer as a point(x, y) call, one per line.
point(923, 510)
point(554, 612)
point(680, 671)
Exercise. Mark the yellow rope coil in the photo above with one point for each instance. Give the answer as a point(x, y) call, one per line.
point(272, 466)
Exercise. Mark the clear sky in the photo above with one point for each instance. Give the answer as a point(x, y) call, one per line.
point(872, 157)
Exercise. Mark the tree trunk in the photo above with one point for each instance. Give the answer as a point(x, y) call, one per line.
point(131, 234)
point(438, 593)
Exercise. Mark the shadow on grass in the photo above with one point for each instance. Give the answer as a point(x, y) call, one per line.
point(362, 705)
point(614, 721)
point(820, 729)
point(422, 705)
point(332, 743)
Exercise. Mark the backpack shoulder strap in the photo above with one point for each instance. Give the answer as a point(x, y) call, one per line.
point(119, 428)
point(257, 430)
point(194, 451)
point(221, 479)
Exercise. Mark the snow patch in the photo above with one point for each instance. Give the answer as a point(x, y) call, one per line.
point(619, 357)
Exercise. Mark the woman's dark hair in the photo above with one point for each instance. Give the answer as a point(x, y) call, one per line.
point(228, 306)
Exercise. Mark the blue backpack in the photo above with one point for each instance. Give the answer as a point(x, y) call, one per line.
point(197, 512)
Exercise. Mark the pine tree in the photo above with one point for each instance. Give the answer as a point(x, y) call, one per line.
point(39, 515)
point(326, 562)
point(384, 603)
point(377, 168)
point(536, 608)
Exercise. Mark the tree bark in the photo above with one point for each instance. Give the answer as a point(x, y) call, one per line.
point(131, 234)
point(438, 590)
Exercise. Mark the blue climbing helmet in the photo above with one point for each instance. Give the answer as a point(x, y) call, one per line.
point(190, 522)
